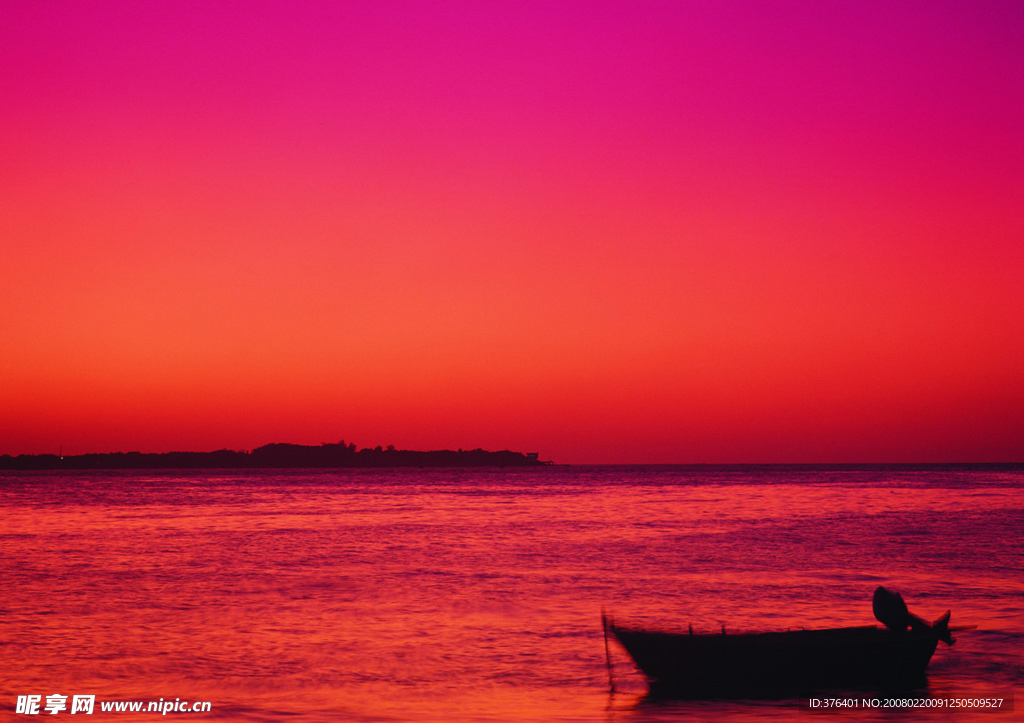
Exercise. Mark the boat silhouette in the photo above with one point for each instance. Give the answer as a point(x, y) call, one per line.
point(771, 664)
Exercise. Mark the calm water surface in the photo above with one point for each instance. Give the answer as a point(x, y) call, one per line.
point(475, 595)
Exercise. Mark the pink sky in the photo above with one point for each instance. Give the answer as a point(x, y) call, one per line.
point(608, 232)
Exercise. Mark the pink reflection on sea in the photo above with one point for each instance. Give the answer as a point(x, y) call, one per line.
point(438, 595)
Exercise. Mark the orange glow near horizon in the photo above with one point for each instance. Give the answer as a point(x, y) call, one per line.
point(678, 234)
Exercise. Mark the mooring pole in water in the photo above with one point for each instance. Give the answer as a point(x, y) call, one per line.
point(607, 653)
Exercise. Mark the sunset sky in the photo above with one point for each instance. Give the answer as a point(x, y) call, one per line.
point(604, 231)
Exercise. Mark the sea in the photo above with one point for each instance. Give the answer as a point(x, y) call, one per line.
point(418, 595)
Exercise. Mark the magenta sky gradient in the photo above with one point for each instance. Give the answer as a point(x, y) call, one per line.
point(611, 232)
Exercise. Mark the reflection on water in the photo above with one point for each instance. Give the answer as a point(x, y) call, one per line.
point(422, 595)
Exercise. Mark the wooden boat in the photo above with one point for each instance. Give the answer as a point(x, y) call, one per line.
point(779, 663)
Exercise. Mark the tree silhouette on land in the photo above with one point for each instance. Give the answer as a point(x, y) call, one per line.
point(277, 454)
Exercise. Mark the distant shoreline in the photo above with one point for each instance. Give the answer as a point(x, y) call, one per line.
point(275, 455)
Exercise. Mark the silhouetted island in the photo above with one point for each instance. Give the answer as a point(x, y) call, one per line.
point(275, 455)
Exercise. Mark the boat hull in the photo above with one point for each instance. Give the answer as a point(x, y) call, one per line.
point(780, 663)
